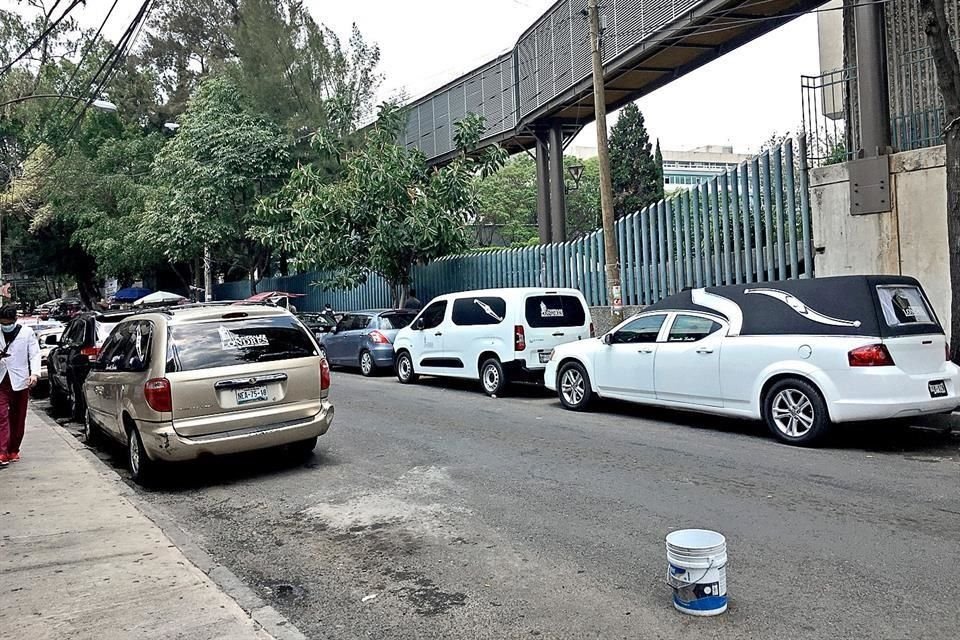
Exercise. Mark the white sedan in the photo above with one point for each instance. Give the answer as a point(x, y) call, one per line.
point(799, 355)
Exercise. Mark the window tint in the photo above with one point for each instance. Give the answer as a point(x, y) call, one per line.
point(205, 345)
point(433, 315)
point(480, 310)
point(691, 328)
point(555, 311)
point(344, 324)
point(359, 322)
point(904, 305)
point(74, 334)
point(112, 348)
point(645, 329)
point(138, 342)
point(396, 320)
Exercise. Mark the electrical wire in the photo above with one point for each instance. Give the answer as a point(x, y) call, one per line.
point(40, 38)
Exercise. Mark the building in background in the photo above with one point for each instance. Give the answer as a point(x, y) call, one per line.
point(685, 169)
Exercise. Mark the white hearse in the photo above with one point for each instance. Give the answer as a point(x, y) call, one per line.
point(799, 355)
point(496, 335)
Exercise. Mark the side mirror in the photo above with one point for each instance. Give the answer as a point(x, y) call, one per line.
point(608, 338)
point(418, 325)
point(51, 341)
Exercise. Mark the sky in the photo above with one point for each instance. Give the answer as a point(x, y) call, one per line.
point(741, 99)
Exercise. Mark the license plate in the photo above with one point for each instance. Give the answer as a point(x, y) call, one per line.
point(937, 388)
point(253, 394)
point(545, 356)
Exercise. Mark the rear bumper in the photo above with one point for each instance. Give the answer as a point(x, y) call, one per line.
point(383, 355)
point(879, 394)
point(162, 442)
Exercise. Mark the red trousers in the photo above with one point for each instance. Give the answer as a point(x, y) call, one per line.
point(13, 416)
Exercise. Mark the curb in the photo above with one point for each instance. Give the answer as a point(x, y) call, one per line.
point(268, 618)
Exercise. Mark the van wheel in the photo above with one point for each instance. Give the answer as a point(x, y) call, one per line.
point(405, 372)
point(142, 468)
point(796, 413)
point(367, 366)
point(90, 433)
point(492, 378)
point(573, 387)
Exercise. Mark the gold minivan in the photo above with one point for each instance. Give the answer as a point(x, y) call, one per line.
point(177, 384)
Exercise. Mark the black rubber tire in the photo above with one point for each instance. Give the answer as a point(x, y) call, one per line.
point(303, 448)
point(406, 374)
point(90, 434)
point(575, 369)
point(59, 403)
point(144, 472)
point(372, 370)
point(821, 426)
point(493, 379)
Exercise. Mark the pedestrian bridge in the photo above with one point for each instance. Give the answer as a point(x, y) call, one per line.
point(544, 82)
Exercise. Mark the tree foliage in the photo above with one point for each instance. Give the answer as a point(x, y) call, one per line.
point(636, 176)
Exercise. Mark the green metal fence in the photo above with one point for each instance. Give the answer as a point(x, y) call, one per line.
point(750, 224)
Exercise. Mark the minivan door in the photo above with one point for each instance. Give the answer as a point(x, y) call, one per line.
point(428, 338)
point(550, 319)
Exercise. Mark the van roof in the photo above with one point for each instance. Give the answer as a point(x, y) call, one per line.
point(200, 313)
point(504, 292)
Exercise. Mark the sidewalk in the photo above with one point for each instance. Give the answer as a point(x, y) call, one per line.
point(78, 560)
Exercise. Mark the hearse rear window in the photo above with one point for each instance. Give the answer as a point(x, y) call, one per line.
point(478, 311)
point(206, 345)
point(904, 305)
point(555, 311)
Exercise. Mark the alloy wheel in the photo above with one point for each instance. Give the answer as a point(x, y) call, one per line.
point(366, 363)
point(134, 449)
point(572, 386)
point(793, 413)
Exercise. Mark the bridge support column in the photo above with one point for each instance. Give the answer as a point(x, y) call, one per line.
point(872, 80)
point(558, 205)
point(543, 186)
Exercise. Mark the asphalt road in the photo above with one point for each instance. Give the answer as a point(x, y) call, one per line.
point(435, 512)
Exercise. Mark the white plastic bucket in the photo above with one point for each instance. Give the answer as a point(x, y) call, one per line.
point(697, 571)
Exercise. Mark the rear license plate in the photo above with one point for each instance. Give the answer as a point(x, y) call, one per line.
point(545, 356)
point(937, 388)
point(253, 394)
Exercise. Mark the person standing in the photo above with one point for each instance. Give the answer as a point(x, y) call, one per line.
point(413, 303)
point(19, 372)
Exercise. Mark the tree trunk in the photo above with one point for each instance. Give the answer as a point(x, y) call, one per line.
point(948, 78)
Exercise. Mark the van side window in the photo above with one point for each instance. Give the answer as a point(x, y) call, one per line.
point(904, 305)
point(641, 330)
point(691, 328)
point(137, 353)
point(433, 315)
point(550, 311)
point(479, 311)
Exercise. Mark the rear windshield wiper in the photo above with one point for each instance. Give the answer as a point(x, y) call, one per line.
point(281, 355)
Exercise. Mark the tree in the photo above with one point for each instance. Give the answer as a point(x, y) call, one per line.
point(388, 212)
point(208, 178)
point(637, 178)
point(508, 203)
point(937, 28)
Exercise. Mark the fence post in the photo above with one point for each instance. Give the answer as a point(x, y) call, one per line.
point(808, 266)
point(769, 255)
point(780, 217)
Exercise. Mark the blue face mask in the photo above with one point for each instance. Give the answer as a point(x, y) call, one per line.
point(7, 328)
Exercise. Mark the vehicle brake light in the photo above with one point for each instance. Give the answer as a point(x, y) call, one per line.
point(519, 339)
point(593, 332)
point(156, 392)
point(324, 374)
point(378, 338)
point(92, 353)
point(874, 355)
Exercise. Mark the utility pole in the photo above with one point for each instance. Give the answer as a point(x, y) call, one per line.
point(207, 274)
point(612, 266)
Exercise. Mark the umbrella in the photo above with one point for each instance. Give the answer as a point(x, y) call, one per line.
point(130, 294)
point(269, 295)
point(160, 297)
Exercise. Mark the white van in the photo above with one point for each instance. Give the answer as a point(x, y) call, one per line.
point(496, 335)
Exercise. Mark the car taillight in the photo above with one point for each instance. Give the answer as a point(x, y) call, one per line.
point(519, 339)
point(156, 392)
point(92, 353)
point(378, 338)
point(593, 333)
point(874, 355)
point(324, 374)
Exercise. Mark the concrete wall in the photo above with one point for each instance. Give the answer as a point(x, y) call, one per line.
point(603, 319)
point(909, 240)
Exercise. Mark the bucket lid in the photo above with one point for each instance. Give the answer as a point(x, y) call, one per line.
point(695, 540)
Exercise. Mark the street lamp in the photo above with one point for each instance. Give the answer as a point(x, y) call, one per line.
point(576, 172)
point(103, 105)
point(171, 126)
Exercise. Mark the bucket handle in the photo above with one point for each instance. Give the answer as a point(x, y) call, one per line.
point(702, 575)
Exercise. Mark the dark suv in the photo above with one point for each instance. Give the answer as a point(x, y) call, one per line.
point(69, 362)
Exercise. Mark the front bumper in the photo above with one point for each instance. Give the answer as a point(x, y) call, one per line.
point(164, 444)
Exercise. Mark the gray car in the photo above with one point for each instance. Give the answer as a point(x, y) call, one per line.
point(364, 339)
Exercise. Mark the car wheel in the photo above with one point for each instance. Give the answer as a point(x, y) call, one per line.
point(58, 401)
point(796, 413)
point(492, 378)
point(367, 366)
point(405, 372)
point(573, 387)
point(90, 432)
point(142, 468)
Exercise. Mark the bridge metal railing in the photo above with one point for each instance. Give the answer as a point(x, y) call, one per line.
point(750, 224)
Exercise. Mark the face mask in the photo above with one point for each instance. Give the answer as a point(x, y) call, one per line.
point(7, 328)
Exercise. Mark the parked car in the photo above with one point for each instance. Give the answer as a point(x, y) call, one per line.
point(48, 335)
point(496, 335)
point(69, 361)
point(186, 382)
point(799, 355)
point(318, 323)
point(364, 339)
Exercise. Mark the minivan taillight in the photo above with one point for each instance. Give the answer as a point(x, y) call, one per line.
point(519, 338)
point(92, 353)
point(324, 374)
point(156, 392)
point(378, 338)
point(874, 355)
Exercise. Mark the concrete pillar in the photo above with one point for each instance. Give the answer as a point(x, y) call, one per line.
point(872, 96)
point(543, 186)
point(558, 206)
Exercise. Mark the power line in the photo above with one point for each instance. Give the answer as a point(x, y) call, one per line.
point(41, 37)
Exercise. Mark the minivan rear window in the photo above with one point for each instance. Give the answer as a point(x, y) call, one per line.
point(550, 311)
point(478, 311)
point(206, 345)
point(904, 305)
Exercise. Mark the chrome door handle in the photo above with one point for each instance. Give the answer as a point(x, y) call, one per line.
point(704, 350)
point(645, 351)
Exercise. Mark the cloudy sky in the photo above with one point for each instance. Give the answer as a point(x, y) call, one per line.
point(740, 99)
